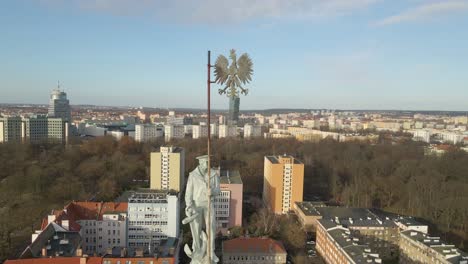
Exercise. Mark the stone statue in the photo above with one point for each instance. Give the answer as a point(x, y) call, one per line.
point(196, 202)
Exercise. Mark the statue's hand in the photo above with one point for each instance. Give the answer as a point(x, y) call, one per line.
point(189, 210)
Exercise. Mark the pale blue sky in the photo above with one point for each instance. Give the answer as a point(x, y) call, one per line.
point(347, 54)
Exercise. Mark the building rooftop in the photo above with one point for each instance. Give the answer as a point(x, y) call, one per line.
point(171, 149)
point(346, 216)
point(282, 159)
point(358, 252)
point(56, 240)
point(76, 211)
point(408, 221)
point(139, 195)
point(344, 212)
point(449, 252)
point(308, 208)
point(253, 245)
point(56, 260)
point(230, 177)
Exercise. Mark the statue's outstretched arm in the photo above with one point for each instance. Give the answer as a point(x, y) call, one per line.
point(189, 192)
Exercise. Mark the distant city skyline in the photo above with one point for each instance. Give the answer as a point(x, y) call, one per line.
point(313, 54)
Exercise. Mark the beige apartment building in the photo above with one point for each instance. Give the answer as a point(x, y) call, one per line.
point(167, 169)
point(283, 183)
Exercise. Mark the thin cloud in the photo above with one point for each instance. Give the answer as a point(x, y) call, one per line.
point(219, 11)
point(426, 12)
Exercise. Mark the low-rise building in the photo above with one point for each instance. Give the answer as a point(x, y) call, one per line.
point(417, 248)
point(379, 232)
point(409, 223)
point(100, 225)
point(228, 204)
point(337, 245)
point(54, 241)
point(253, 251)
point(153, 219)
point(307, 214)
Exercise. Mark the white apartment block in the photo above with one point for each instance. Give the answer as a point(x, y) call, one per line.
point(227, 131)
point(153, 217)
point(214, 130)
point(35, 129)
point(451, 137)
point(188, 129)
point(173, 132)
point(422, 135)
point(148, 132)
point(116, 134)
point(251, 131)
point(199, 131)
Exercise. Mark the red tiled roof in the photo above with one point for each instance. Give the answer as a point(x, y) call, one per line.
point(76, 211)
point(253, 245)
point(444, 147)
point(57, 260)
point(170, 260)
point(94, 260)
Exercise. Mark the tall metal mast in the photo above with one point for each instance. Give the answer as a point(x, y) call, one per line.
point(208, 228)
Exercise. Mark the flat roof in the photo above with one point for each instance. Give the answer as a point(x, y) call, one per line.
point(347, 216)
point(308, 208)
point(230, 177)
point(450, 252)
point(145, 192)
point(351, 245)
point(275, 160)
point(173, 149)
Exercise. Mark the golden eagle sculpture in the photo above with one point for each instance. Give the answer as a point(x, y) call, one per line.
point(234, 76)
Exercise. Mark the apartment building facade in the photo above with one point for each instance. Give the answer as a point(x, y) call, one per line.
point(173, 132)
point(283, 183)
point(148, 132)
point(228, 204)
point(167, 169)
point(153, 219)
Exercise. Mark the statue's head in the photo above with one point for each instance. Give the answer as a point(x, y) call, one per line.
point(203, 163)
point(232, 54)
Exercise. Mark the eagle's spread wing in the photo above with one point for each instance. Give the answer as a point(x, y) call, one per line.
point(245, 68)
point(221, 69)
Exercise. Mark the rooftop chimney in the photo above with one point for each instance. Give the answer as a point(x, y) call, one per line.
point(139, 252)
